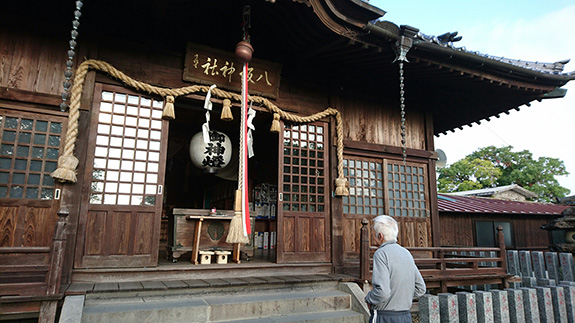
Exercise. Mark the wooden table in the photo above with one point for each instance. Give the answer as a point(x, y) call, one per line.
point(181, 217)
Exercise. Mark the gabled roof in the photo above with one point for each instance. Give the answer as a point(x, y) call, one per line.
point(464, 204)
point(486, 192)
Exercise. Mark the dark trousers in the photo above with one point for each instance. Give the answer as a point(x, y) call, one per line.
point(390, 317)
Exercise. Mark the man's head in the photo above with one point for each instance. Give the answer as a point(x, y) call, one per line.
point(385, 228)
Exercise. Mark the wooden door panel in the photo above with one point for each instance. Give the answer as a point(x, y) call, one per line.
point(117, 237)
point(145, 229)
point(37, 224)
point(319, 228)
point(303, 220)
point(94, 234)
point(380, 186)
point(304, 240)
point(24, 226)
point(288, 226)
point(8, 225)
point(122, 203)
point(30, 145)
point(351, 237)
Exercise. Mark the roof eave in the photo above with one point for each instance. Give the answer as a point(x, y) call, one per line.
point(490, 64)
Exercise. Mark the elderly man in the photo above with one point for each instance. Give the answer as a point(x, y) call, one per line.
point(396, 280)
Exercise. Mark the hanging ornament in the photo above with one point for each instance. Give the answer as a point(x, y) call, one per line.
point(244, 51)
point(211, 156)
point(208, 108)
point(251, 127)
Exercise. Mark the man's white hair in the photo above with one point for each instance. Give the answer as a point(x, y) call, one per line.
point(387, 226)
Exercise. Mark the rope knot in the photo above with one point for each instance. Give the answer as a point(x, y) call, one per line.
point(66, 170)
point(226, 111)
point(275, 123)
point(341, 186)
point(168, 112)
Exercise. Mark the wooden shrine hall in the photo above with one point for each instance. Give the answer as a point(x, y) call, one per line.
point(147, 141)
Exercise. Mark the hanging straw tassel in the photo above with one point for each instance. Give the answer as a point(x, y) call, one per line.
point(168, 112)
point(236, 232)
point(341, 186)
point(226, 111)
point(66, 170)
point(275, 123)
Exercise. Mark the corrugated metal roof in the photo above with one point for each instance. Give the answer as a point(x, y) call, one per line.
point(464, 204)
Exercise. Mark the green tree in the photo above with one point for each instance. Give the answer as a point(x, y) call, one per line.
point(467, 174)
point(536, 175)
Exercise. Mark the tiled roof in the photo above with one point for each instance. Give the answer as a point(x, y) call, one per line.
point(464, 204)
point(555, 68)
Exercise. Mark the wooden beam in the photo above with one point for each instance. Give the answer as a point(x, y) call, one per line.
point(378, 148)
point(44, 99)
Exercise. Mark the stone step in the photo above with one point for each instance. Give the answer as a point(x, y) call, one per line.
point(204, 287)
point(318, 317)
point(276, 304)
point(138, 310)
point(269, 306)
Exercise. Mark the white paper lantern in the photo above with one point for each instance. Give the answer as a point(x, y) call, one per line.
point(211, 156)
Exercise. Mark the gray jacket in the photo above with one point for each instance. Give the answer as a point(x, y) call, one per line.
point(396, 279)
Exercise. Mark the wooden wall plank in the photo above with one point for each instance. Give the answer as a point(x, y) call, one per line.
point(32, 63)
point(458, 229)
point(377, 123)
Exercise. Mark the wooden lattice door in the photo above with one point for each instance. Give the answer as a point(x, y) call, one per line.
point(303, 220)
point(121, 207)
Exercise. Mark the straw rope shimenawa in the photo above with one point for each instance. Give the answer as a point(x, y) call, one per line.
point(67, 162)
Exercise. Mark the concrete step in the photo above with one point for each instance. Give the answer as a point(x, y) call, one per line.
point(323, 305)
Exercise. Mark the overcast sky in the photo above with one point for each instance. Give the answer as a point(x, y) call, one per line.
point(533, 30)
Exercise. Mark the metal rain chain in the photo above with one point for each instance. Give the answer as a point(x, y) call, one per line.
point(401, 47)
point(402, 107)
point(71, 53)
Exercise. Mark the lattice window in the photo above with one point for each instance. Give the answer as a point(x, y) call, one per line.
point(28, 154)
point(127, 150)
point(304, 168)
point(365, 187)
point(406, 189)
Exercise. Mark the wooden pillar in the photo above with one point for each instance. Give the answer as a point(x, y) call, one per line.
point(49, 308)
point(502, 254)
point(364, 251)
point(502, 250)
point(48, 312)
point(57, 253)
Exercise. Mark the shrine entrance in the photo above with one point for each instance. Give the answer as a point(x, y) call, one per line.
point(192, 194)
point(147, 203)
